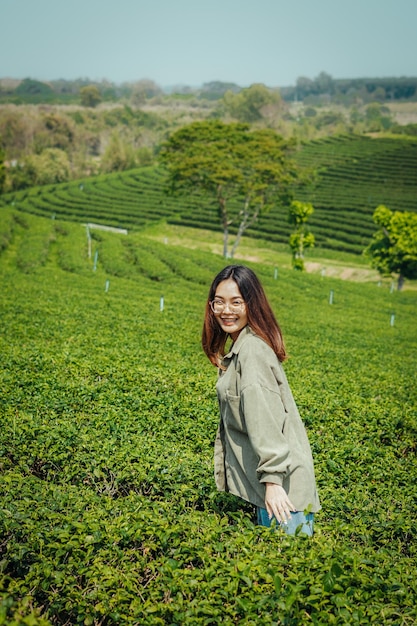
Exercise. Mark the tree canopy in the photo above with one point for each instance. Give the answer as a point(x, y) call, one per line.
point(28, 86)
point(90, 96)
point(240, 168)
point(249, 104)
point(393, 249)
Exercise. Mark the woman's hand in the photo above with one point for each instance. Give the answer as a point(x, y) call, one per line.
point(278, 503)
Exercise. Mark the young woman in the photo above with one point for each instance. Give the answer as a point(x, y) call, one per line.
point(262, 453)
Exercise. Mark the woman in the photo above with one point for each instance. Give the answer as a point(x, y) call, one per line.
point(262, 453)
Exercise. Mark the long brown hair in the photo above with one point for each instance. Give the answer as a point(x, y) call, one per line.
point(261, 318)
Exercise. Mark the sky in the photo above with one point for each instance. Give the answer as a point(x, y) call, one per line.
point(192, 42)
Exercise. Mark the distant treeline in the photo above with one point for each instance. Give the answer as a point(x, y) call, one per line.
point(30, 91)
point(311, 91)
point(350, 89)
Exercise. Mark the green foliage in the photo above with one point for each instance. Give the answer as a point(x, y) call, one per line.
point(215, 90)
point(14, 133)
point(51, 166)
point(109, 512)
point(56, 131)
point(352, 175)
point(90, 96)
point(34, 249)
point(393, 249)
point(143, 90)
point(301, 238)
point(299, 212)
point(28, 86)
point(350, 90)
point(405, 129)
point(228, 161)
point(7, 225)
point(378, 117)
point(126, 116)
point(249, 104)
point(118, 156)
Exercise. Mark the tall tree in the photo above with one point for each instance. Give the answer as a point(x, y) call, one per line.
point(393, 249)
point(230, 162)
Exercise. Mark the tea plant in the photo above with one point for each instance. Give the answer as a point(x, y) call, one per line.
point(109, 512)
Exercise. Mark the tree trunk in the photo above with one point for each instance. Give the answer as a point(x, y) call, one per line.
point(400, 283)
point(225, 241)
point(225, 221)
point(245, 222)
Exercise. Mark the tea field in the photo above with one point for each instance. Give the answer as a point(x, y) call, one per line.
point(353, 175)
point(109, 513)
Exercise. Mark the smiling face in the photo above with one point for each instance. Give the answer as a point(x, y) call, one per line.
point(233, 318)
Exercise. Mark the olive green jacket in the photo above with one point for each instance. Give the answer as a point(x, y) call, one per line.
point(261, 437)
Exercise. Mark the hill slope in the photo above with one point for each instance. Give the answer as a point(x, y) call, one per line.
point(109, 512)
point(354, 175)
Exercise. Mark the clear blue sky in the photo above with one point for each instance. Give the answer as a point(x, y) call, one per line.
point(196, 41)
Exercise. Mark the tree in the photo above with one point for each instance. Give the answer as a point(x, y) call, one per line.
point(52, 166)
point(15, 132)
point(142, 90)
point(301, 238)
point(324, 83)
point(118, 156)
point(230, 162)
point(216, 89)
point(54, 131)
point(90, 96)
point(248, 104)
point(29, 87)
point(378, 117)
point(393, 249)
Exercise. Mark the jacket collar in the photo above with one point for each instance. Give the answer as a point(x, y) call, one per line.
point(235, 347)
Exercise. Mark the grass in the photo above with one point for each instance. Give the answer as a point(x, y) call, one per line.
point(318, 260)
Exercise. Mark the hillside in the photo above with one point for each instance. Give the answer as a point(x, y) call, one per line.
point(109, 512)
point(354, 175)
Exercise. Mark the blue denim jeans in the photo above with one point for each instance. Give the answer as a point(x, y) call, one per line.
point(298, 523)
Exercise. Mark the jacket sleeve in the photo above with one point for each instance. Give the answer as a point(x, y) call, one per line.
point(263, 410)
point(264, 416)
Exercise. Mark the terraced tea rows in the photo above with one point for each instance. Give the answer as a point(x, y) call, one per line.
point(354, 175)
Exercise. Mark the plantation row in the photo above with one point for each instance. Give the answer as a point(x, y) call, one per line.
point(360, 173)
point(354, 176)
point(108, 508)
point(32, 243)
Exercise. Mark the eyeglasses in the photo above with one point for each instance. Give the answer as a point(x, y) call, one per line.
point(217, 306)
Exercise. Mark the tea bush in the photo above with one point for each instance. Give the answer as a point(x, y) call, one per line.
point(109, 512)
